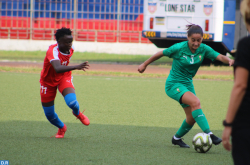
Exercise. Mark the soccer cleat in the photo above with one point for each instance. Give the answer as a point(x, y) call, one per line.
point(215, 139)
point(84, 119)
point(179, 143)
point(61, 132)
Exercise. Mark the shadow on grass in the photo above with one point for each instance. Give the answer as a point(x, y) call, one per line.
point(28, 142)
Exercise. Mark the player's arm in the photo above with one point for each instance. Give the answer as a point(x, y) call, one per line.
point(62, 68)
point(225, 59)
point(153, 58)
point(238, 92)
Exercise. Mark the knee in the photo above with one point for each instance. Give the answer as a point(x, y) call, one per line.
point(195, 104)
point(71, 101)
point(73, 104)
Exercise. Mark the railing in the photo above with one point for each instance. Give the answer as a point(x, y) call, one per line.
point(90, 20)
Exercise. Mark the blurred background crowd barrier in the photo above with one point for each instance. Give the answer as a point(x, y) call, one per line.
point(90, 20)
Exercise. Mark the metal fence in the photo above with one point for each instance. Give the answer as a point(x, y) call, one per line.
point(90, 20)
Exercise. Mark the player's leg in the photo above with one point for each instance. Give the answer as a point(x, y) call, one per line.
point(176, 91)
point(49, 111)
point(187, 123)
point(68, 91)
point(191, 99)
point(185, 128)
point(70, 99)
point(47, 98)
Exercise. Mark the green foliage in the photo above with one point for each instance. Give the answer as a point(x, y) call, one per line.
point(132, 122)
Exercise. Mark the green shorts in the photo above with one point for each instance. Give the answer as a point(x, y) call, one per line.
point(176, 90)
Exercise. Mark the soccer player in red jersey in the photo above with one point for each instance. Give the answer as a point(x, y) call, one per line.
point(56, 74)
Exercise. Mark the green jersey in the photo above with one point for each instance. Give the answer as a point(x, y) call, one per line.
point(185, 63)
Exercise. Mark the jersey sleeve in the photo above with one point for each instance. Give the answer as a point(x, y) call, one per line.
point(52, 54)
point(73, 47)
point(172, 51)
point(210, 53)
point(242, 57)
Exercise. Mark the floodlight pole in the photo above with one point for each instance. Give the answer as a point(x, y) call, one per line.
point(118, 20)
point(31, 18)
point(75, 15)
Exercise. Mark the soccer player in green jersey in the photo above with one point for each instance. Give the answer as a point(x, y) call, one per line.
point(187, 58)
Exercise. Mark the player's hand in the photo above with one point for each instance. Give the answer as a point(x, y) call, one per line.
point(226, 138)
point(142, 68)
point(83, 66)
point(231, 62)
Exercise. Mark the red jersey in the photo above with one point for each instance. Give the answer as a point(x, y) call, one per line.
point(48, 73)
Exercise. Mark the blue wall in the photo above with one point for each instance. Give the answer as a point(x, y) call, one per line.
point(229, 15)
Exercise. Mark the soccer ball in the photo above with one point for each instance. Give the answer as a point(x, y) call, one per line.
point(202, 142)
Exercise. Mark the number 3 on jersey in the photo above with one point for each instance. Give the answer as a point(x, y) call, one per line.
point(192, 59)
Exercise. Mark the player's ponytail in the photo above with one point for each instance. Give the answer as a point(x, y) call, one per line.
point(192, 29)
point(245, 11)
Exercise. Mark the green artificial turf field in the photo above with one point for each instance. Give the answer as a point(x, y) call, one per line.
point(132, 122)
point(82, 57)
